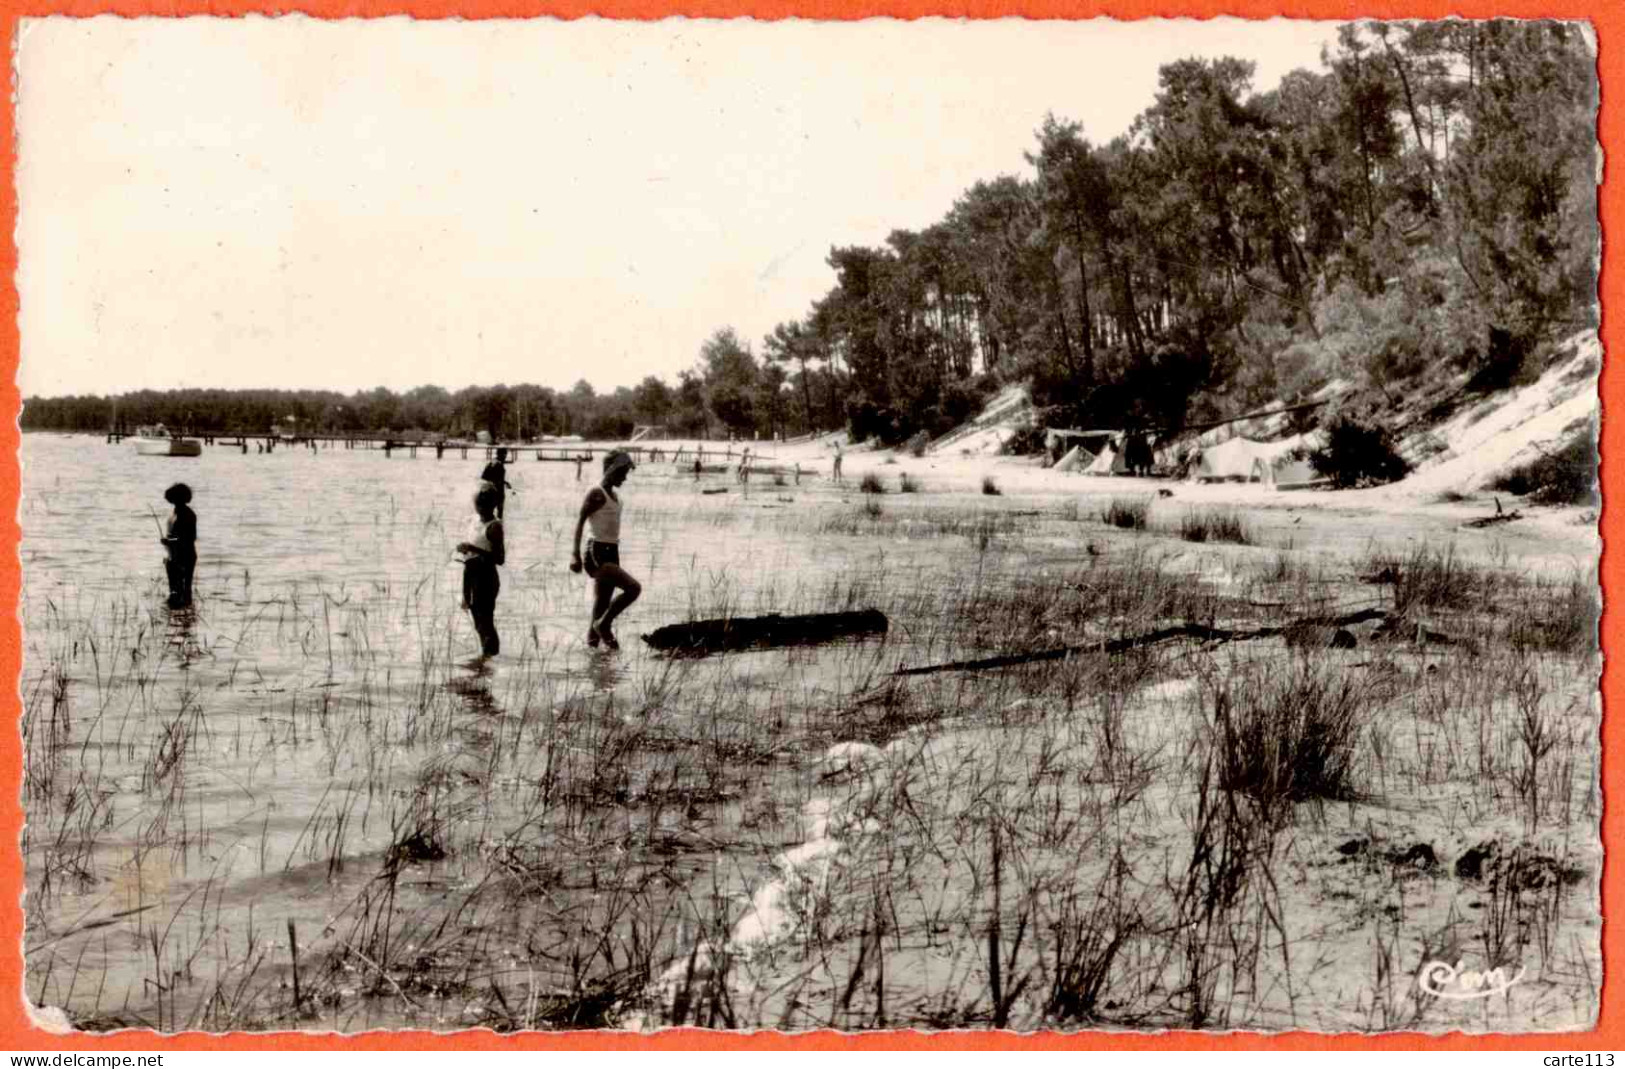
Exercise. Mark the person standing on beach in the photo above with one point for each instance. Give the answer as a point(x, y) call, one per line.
point(180, 539)
point(835, 471)
point(484, 551)
point(602, 561)
point(496, 473)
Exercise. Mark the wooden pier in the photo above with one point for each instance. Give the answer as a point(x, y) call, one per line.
point(722, 457)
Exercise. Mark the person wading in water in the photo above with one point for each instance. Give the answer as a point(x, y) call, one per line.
point(180, 539)
point(602, 561)
point(484, 551)
point(496, 473)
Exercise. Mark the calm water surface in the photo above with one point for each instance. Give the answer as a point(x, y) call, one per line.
point(327, 605)
point(351, 521)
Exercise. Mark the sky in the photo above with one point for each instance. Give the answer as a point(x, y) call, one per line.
point(297, 203)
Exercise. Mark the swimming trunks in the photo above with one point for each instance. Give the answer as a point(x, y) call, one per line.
point(599, 554)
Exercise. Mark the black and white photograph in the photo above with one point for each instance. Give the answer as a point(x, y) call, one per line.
point(537, 525)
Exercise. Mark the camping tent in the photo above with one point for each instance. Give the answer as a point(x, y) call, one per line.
point(1282, 464)
point(1077, 459)
point(1231, 460)
point(1109, 461)
point(1297, 475)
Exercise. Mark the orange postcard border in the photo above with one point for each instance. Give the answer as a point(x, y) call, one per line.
point(1608, 19)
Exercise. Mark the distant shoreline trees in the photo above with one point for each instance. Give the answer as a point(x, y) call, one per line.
point(507, 413)
point(1425, 204)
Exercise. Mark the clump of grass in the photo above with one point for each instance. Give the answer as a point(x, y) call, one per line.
point(909, 485)
point(1290, 737)
point(870, 483)
point(917, 444)
point(1430, 579)
point(989, 487)
point(1556, 615)
point(1214, 525)
point(1129, 513)
point(871, 508)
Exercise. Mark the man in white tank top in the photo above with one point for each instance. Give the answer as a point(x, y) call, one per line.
point(601, 510)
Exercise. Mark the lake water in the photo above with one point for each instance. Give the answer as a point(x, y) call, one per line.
point(328, 674)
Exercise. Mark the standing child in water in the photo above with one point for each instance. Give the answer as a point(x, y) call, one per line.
point(180, 539)
point(496, 473)
point(482, 554)
point(602, 511)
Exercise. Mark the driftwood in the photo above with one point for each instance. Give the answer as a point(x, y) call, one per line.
point(755, 632)
point(1499, 517)
point(1200, 632)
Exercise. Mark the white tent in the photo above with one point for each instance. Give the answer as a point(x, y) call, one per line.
point(1231, 460)
point(1297, 475)
point(1077, 459)
point(1108, 462)
point(1283, 465)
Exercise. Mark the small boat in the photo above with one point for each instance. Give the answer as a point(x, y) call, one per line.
point(156, 441)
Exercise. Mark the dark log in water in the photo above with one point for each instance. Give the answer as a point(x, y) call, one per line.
point(753, 632)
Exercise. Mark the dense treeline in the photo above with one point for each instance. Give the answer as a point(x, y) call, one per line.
point(506, 412)
point(1366, 223)
point(1426, 202)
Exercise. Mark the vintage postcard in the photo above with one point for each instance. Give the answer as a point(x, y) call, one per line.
point(1012, 525)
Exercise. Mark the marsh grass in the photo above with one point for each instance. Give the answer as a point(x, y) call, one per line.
point(1426, 579)
point(1290, 735)
point(1496, 604)
point(1059, 844)
point(1560, 615)
point(1129, 513)
point(1214, 525)
point(979, 529)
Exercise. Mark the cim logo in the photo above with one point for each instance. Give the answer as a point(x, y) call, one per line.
point(1444, 980)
